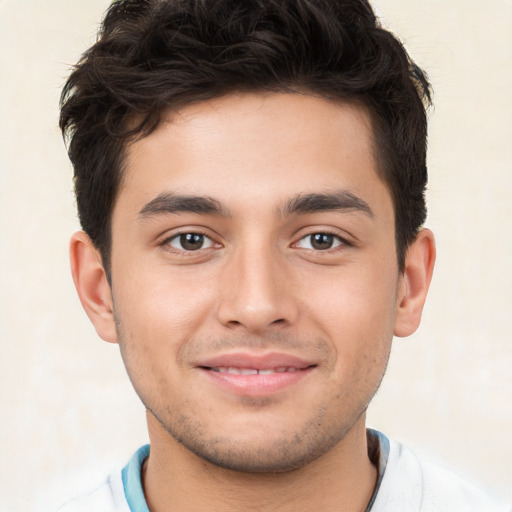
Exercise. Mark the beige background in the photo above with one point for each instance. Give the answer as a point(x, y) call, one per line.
point(68, 413)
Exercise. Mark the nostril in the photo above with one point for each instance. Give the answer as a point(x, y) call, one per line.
point(256, 313)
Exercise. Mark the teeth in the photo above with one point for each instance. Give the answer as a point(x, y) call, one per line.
point(247, 371)
point(253, 371)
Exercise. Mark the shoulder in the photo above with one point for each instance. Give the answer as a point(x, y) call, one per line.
point(410, 484)
point(108, 497)
point(444, 490)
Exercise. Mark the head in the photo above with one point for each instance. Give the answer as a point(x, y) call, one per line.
point(250, 181)
point(155, 56)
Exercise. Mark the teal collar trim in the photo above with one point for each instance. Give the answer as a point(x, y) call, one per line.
point(132, 481)
point(378, 452)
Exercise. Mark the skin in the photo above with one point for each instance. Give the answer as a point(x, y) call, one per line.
point(259, 285)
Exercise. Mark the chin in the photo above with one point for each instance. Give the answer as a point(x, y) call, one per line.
point(273, 461)
point(256, 450)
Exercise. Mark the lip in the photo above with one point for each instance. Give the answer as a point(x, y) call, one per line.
point(289, 370)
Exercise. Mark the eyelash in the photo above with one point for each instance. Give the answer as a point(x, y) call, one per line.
point(342, 242)
point(182, 251)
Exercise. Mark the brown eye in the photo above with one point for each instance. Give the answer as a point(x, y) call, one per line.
point(190, 242)
point(320, 242)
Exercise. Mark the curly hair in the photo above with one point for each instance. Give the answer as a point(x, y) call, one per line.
point(152, 56)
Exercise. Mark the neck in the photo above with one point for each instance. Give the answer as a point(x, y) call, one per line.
point(176, 479)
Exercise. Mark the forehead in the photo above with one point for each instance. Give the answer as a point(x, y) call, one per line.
point(255, 147)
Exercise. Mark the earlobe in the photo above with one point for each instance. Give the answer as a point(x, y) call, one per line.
point(419, 265)
point(92, 285)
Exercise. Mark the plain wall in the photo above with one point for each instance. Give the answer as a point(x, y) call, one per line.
point(68, 413)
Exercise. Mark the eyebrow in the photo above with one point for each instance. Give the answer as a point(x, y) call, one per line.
point(169, 202)
point(340, 200)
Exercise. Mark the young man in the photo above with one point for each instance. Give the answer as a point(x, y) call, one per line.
point(250, 180)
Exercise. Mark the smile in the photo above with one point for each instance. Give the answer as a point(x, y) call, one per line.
point(250, 374)
point(254, 371)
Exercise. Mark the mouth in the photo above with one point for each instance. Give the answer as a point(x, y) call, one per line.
point(256, 375)
point(254, 371)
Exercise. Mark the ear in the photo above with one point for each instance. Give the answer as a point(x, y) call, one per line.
point(92, 285)
point(415, 281)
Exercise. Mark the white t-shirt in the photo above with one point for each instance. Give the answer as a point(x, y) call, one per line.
point(405, 484)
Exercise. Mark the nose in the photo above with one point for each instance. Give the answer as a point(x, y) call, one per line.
point(256, 292)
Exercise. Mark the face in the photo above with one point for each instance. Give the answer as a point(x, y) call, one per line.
point(254, 277)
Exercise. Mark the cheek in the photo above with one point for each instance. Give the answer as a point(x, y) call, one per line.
point(355, 310)
point(155, 318)
point(159, 299)
point(350, 299)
